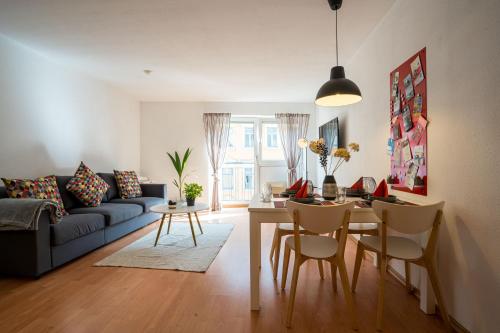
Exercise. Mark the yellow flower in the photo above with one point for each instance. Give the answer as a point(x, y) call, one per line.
point(354, 146)
point(313, 145)
point(342, 153)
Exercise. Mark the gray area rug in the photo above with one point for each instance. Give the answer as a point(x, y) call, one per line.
point(175, 251)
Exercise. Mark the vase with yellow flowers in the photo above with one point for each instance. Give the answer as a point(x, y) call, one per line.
point(337, 158)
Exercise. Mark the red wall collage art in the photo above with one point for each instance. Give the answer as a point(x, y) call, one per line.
point(408, 125)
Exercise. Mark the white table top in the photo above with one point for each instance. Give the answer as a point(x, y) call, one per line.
point(358, 215)
point(180, 208)
point(256, 205)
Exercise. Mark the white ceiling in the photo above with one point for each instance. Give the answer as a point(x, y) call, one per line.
point(217, 50)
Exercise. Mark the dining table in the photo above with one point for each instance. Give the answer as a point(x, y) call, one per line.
point(274, 211)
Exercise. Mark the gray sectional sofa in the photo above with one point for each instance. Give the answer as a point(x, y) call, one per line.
point(32, 253)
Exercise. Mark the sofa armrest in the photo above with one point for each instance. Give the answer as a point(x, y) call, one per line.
point(154, 190)
point(27, 252)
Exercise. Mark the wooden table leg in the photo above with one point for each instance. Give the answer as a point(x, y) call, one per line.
point(254, 262)
point(169, 223)
point(198, 220)
point(159, 229)
point(192, 229)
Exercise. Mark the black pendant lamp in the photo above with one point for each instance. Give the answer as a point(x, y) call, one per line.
point(338, 91)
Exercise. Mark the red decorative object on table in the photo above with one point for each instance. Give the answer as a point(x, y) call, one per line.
point(302, 193)
point(358, 185)
point(382, 190)
point(296, 186)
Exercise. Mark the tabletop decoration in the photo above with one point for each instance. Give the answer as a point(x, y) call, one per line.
point(180, 167)
point(337, 158)
point(192, 191)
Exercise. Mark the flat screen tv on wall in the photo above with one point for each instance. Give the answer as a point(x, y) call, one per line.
point(330, 133)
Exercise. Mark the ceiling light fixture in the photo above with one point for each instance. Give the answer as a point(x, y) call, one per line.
point(147, 71)
point(338, 91)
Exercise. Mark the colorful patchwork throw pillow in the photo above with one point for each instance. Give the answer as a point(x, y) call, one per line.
point(128, 184)
point(88, 187)
point(39, 188)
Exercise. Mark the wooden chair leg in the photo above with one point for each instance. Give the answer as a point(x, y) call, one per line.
point(408, 277)
point(431, 270)
point(284, 271)
point(357, 265)
point(379, 260)
point(159, 229)
point(333, 268)
point(381, 285)
point(347, 292)
point(273, 245)
point(276, 256)
point(293, 291)
point(169, 223)
point(321, 272)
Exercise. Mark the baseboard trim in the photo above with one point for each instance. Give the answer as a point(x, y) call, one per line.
point(370, 256)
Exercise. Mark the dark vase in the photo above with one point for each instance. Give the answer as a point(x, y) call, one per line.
point(329, 188)
point(190, 201)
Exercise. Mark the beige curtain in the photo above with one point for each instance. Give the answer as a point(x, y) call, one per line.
point(292, 127)
point(216, 135)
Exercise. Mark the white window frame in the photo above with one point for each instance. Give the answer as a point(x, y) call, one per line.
point(269, 163)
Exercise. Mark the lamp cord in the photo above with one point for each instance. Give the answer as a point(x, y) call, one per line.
point(336, 38)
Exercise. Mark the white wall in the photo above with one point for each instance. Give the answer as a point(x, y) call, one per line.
point(463, 76)
point(170, 126)
point(52, 117)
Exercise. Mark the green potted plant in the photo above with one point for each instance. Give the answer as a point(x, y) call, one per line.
point(180, 167)
point(192, 191)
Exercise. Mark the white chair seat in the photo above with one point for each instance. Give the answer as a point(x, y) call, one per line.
point(397, 247)
point(312, 246)
point(363, 226)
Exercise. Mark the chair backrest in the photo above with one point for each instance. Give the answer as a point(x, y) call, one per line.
point(319, 219)
point(408, 219)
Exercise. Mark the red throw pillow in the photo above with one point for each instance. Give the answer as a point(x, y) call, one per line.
point(88, 187)
point(128, 184)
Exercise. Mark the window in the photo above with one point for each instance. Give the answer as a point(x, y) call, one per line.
point(227, 179)
point(272, 137)
point(230, 139)
point(271, 143)
point(248, 178)
point(248, 137)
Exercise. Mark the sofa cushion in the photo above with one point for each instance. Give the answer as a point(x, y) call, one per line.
point(38, 188)
point(113, 212)
point(69, 200)
point(145, 202)
point(112, 192)
point(75, 226)
point(128, 184)
point(88, 187)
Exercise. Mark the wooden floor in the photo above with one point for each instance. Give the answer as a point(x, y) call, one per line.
point(81, 298)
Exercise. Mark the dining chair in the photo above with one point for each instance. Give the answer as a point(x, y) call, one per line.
point(281, 230)
point(317, 220)
point(408, 220)
point(360, 223)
